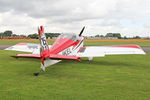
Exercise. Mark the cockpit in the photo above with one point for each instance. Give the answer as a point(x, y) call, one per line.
point(73, 37)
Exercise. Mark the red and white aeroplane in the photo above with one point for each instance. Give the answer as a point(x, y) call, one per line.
point(69, 47)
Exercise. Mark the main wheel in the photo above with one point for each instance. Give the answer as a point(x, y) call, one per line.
point(36, 74)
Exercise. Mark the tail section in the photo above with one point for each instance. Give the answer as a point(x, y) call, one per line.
point(42, 39)
point(44, 50)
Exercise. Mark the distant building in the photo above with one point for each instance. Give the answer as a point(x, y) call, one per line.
point(93, 37)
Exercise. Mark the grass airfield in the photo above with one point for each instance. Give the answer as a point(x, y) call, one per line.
point(117, 77)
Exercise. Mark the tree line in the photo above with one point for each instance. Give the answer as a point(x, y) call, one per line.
point(48, 35)
point(51, 35)
point(8, 33)
point(118, 35)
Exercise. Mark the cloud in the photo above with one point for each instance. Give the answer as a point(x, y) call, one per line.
point(19, 23)
point(99, 16)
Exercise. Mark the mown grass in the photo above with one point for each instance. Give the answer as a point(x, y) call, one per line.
point(13, 42)
point(110, 78)
point(117, 77)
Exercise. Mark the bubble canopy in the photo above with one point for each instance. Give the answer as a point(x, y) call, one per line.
point(73, 37)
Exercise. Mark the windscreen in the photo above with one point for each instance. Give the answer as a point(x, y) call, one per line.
point(73, 37)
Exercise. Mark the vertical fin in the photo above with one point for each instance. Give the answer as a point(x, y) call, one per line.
point(42, 39)
point(44, 50)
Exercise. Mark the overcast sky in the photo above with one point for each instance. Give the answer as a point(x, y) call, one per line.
point(128, 17)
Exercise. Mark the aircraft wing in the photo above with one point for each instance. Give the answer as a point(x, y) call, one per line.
point(101, 51)
point(26, 47)
point(37, 56)
point(52, 56)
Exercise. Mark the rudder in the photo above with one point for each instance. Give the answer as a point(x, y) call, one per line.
point(44, 50)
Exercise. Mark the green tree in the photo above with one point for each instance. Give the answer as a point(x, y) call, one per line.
point(14, 35)
point(114, 35)
point(109, 35)
point(7, 33)
point(117, 35)
point(96, 35)
point(1, 34)
point(101, 35)
point(33, 36)
point(137, 37)
point(52, 35)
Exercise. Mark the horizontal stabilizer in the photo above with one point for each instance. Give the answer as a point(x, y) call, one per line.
point(37, 56)
point(52, 56)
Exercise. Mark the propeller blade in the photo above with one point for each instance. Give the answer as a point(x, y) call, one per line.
point(82, 31)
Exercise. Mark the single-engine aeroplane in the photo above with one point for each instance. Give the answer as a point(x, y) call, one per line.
point(68, 47)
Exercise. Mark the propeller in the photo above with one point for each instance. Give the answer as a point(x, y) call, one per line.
point(82, 31)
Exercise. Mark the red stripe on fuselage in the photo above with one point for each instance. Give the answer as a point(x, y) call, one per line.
point(75, 44)
point(61, 44)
